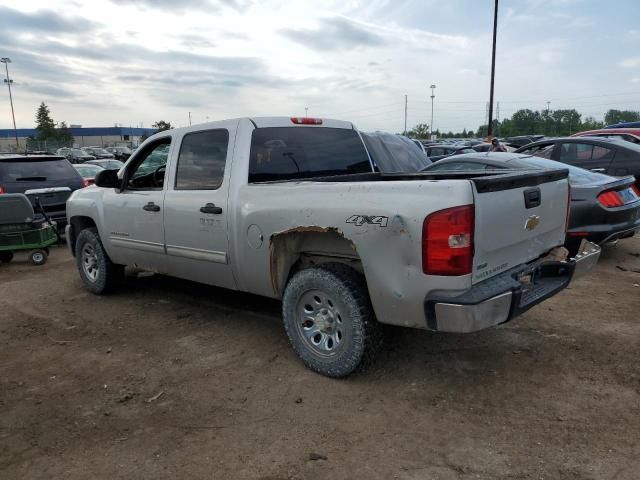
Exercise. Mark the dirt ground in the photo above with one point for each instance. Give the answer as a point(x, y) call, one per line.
point(169, 379)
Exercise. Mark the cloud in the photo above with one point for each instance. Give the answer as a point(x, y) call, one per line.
point(335, 33)
point(183, 5)
point(630, 62)
point(42, 21)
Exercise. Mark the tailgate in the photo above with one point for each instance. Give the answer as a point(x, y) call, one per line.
point(519, 217)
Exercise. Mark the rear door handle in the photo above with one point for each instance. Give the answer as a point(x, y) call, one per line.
point(151, 207)
point(598, 169)
point(211, 208)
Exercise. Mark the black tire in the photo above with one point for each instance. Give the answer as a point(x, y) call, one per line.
point(38, 256)
point(348, 337)
point(6, 256)
point(98, 273)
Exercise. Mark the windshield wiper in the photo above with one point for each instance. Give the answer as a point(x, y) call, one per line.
point(31, 179)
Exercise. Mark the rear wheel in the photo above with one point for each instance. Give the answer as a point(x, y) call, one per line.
point(6, 256)
point(329, 320)
point(98, 273)
point(38, 256)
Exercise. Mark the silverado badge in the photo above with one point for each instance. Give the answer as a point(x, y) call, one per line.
point(532, 222)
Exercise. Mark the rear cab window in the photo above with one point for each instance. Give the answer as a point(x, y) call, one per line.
point(288, 153)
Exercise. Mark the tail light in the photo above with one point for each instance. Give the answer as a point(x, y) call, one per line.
point(610, 199)
point(447, 241)
point(634, 187)
point(306, 121)
point(85, 182)
point(2, 190)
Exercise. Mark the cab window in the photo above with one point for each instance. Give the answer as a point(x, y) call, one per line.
point(202, 159)
point(149, 168)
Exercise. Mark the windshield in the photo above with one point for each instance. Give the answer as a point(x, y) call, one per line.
point(79, 153)
point(577, 175)
point(100, 151)
point(45, 170)
point(392, 153)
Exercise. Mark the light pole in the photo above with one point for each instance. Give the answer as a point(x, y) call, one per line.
point(548, 106)
point(493, 72)
point(433, 95)
point(8, 81)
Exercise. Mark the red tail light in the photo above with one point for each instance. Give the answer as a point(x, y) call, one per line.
point(2, 190)
point(447, 241)
point(306, 121)
point(634, 187)
point(86, 182)
point(610, 199)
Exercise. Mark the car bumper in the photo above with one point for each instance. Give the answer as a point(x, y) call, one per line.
point(504, 297)
point(605, 233)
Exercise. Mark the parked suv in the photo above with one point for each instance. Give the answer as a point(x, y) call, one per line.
point(49, 178)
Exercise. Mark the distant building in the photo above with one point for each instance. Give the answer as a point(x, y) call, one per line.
point(82, 137)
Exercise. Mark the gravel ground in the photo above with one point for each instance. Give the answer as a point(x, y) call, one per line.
point(169, 379)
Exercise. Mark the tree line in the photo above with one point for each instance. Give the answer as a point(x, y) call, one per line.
point(553, 123)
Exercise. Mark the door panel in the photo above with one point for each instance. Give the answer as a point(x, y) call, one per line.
point(196, 210)
point(134, 217)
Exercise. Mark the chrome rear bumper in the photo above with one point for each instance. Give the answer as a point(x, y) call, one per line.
point(508, 295)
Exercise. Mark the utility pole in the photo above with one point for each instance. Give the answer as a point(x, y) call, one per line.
point(405, 115)
point(189, 118)
point(493, 71)
point(433, 95)
point(548, 105)
point(8, 81)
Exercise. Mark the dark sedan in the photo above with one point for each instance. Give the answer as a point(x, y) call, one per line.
point(438, 152)
point(604, 155)
point(603, 208)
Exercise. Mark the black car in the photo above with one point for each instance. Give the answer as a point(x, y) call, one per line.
point(51, 179)
point(603, 208)
point(98, 152)
point(437, 152)
point(522, 140)
point(120, 153)
point(604, 155)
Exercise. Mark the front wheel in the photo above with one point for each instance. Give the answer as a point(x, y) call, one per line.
point(329, 320)
point(98, 273)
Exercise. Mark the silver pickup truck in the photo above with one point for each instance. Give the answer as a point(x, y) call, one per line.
point(297, 209)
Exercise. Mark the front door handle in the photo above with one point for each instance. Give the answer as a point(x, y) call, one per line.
point(598, 169)
point(151, 207)
point(211, 208)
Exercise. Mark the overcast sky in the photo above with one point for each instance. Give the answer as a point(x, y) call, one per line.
point(101, 62)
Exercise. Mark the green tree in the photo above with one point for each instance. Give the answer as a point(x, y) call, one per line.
point(162, 125)
point(617, 116)
point(45, 125)
point(63, 134)
point(591, 123)
point(419, 131)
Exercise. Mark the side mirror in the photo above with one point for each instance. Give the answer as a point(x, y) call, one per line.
point(108, 179)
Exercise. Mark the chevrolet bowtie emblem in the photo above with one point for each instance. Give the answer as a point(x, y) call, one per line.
point(532, 222)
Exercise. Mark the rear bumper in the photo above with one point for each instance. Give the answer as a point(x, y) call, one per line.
point(508, 295)
point(604, 233)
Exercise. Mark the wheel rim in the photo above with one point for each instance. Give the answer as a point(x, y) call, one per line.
point(37, 257)
point(90, 262)
point(321, 322)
